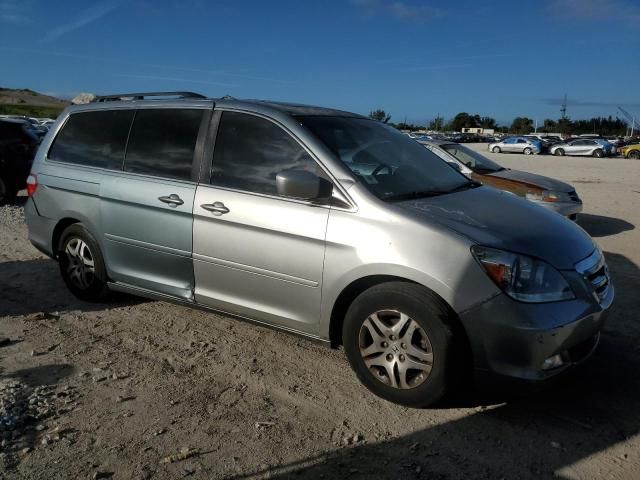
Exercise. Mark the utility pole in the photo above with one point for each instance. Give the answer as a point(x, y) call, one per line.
point(630, 118)
point(563, 108)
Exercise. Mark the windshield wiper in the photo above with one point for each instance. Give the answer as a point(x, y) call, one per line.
point(431, 193)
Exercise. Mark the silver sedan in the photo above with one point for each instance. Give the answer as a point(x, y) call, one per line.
point(582, 147)
point(516, 145)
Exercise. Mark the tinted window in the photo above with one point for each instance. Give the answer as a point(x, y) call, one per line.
point(162, 142)
point(96, 139)
point(250, 151)
point(510, 140)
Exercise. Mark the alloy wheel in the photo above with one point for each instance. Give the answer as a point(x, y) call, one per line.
point(80, 264)
point(396, 349)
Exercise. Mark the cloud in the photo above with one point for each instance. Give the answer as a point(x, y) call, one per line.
point(15, 12)
point(175, 79)
point(85, 17)
point(596, 10)
point(400, 10)
point(588, 103)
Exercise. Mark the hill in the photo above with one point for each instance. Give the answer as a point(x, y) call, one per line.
point(27, 102)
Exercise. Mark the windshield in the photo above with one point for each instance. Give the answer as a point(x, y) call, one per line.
point(471, 158)
point(391, 165)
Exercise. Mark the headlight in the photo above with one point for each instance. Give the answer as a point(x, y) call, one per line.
point(548, 196)
point(523, 278)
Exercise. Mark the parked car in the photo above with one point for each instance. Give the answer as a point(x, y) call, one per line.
point(321, 223)
point(18, 146)
point(544, 191)
point(524, 145)
point(582, 147)
point(631, 151)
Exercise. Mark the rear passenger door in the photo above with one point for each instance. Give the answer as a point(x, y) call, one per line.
point(146, 209)
point(257, 254)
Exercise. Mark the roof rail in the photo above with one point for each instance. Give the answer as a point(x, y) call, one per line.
point(142, 96)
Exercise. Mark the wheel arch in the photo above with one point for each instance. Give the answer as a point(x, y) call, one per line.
point(60, 227)
point(359, 285)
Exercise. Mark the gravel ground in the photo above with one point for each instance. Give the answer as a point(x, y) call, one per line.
point(141, 389)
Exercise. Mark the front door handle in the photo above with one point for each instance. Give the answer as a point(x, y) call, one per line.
point(173, 200)
point(217, 208)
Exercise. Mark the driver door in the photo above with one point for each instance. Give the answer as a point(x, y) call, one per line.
point(257, 254)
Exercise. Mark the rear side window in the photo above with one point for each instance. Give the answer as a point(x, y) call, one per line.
point(162, 142)
point(250, 151)
point(95, 139)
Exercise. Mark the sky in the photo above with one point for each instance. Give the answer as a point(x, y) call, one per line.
point(413, 58)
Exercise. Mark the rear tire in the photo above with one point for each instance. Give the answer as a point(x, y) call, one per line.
point(496, 150)
point(399, 339)
point(635, 154)
point(527, 151)
point(598, 153)
point(82, 264)
point(559, 152)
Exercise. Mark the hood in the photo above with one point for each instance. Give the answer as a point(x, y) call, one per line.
point(534, 180)
point(498, 219)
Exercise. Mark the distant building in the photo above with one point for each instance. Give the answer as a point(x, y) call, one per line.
point(479, 130)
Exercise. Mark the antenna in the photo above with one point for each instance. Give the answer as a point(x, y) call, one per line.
point(563, 108)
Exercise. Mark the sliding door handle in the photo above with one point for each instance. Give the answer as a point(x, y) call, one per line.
point(217, 208)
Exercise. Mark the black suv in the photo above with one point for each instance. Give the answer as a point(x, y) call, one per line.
point(18, 146)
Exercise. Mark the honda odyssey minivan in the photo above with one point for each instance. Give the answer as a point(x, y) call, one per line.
point(321, 223)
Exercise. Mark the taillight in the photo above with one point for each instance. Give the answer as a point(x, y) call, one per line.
point(32, 184)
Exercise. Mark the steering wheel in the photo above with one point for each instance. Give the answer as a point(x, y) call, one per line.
point(381, 167)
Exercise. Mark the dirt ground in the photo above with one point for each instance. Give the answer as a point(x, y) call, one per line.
point(136, 389)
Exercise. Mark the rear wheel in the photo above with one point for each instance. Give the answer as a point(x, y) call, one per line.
point(598, 153)
point(82, 265)
point(527, 151)
point(635, 154)
point(496, 150)
point(399, 340)
point(559, 152)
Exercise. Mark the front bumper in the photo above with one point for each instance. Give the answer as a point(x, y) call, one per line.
point(513, 339)
point(566, 209)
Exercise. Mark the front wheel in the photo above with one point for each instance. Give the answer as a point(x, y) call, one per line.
point(496, 150)
point(82, 265)
point(527, 151)
point(399, 340)
point(598, 153)
point(635, 154)
point(559, 152)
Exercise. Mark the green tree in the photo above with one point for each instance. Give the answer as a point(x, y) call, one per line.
point(521, 125)
point(488, 122)
point(462, 120)
point(380, 115)
point(549, 126)
point(437, 124)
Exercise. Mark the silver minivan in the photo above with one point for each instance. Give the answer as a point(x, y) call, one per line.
point(321, 223)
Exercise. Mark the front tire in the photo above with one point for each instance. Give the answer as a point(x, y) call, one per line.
point(527, 151)
point(559, 152)
point(82, 264)
point(496, 150)
point(399, 340)
point(635, 154)
point(598, 153)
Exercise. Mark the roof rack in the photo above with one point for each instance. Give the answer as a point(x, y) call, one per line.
point(142, 96)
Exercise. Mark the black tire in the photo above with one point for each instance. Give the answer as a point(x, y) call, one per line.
point(496, 150)
point(432, 317)
point(559, 152)
point(91, 286)
point(527, 151)
point(635, 154)
point(8, 192)
point(598, 153)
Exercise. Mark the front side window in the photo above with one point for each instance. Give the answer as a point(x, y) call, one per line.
point(509, 141)
point(250, 151)
point(391, 165)
point(162, 142)
point(95, 139)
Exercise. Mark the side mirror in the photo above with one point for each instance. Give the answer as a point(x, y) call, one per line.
point(303, 185)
